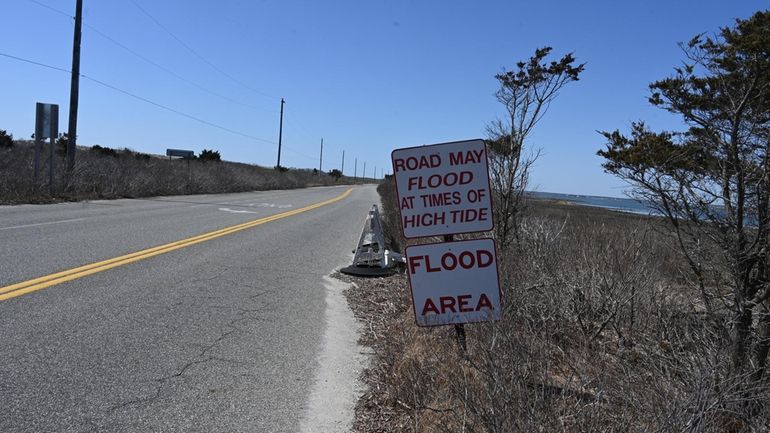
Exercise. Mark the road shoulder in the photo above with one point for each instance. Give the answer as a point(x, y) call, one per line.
point(337, 385)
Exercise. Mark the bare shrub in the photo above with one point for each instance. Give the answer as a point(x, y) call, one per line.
point(101, 172)
point(602, 332)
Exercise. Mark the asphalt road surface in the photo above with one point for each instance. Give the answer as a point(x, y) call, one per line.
point(220, 333)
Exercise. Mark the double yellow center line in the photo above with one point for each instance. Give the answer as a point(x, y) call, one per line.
point(43, 282)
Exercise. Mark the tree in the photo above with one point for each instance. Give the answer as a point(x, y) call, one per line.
point(526, 93)
point(336, 174)
point(104, 150)
point(6, 139)
point(210, 155)
point(712, 181)
point(62, 141)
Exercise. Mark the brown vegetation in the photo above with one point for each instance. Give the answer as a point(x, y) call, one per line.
point(104, 173)
point(602, 331)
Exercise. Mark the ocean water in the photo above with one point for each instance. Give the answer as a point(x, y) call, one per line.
point(613, 203)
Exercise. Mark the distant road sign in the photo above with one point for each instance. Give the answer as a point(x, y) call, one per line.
point(443, 188)
point(46, 121)
point(454, 282)
point(180, 153)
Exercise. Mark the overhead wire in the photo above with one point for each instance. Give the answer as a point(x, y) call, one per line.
point(174, 74)
point(141, 98)
point(291, 148)
point(213, 66)
point(312, 139)
point(178, 76)
point(51, 8)
point(198, 55)
point(153, 63)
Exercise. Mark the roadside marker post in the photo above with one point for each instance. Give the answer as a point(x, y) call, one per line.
point(444, 190)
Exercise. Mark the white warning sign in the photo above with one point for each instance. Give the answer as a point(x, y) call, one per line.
point(454, 282)
point(443, 188)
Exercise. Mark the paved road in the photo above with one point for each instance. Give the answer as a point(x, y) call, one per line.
point(222, 335)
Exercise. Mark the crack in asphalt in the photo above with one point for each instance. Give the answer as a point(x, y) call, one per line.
point(243, 313)
point(233, 328)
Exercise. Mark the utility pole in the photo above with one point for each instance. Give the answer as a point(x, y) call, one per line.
point(355, 170)
point(72, 132)
point(343, 163)
point(280, 134)
point(363, 173)
point(321, 159)
point(374, 172)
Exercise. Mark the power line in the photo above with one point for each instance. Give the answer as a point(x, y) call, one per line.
point(141, 98)
point(295, 151)
point(302, 131)
point(153, 63)
point(310, 138)
point(60, 12)
point(175, 75)
point(173, 110)
point(170, 72)
point(301, 127)
point(199, 56)
point(35, 63)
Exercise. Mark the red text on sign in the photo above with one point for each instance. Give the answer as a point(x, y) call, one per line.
point(469, 215)
point(425, 219)
point(459, 304)
point(450, 261)
point(467, 157)
point(438, 180)
point(442, 199)
point(415, 163)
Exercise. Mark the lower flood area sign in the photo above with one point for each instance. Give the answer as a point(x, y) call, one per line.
point(454, 282)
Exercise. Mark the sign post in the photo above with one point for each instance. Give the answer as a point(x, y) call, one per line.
point(444, 190)
point(46, 126)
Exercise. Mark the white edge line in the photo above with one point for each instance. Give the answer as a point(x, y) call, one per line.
point(42, 224)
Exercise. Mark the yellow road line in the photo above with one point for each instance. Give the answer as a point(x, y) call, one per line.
point(45, 281)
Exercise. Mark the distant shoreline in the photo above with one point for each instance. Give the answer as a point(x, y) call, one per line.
point(615, 204)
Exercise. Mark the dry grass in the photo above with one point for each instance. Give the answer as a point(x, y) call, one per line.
point(126, 174)
point(602, 332)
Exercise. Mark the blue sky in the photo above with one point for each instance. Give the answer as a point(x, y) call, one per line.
point(368, 76)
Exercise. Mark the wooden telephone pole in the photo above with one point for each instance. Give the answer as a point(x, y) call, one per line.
point(280, 135)
point(72, 132)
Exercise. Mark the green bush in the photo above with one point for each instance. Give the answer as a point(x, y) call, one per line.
point(98, 174)
point(210, 155)
point(336, 174)
point(104, 150)
point(61, 144)
point(6, 139)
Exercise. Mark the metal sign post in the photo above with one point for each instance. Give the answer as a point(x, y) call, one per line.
point(46, 126)
point(459, 328)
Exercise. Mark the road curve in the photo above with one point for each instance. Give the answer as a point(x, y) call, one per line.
point(221, 335)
